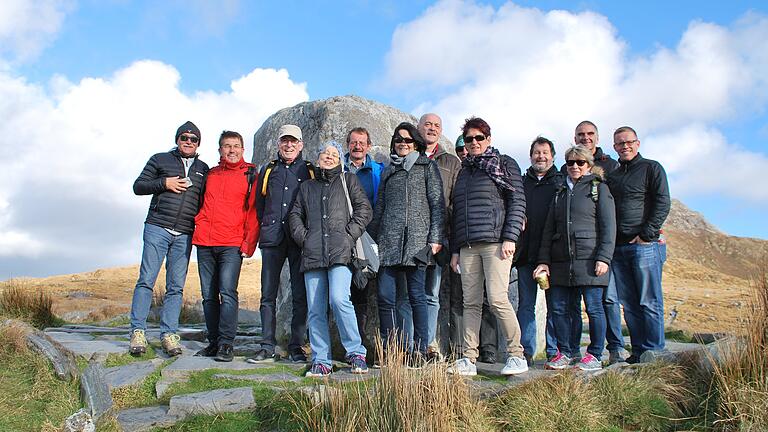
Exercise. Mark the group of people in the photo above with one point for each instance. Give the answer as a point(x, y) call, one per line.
point(590, 231)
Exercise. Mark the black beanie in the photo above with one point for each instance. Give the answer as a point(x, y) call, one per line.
point(188, 127)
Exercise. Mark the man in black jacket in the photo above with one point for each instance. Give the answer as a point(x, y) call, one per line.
point(639, 187)
point(279, 183)
point(175, 180)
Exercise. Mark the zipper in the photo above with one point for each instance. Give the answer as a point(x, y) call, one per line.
point(183, 195)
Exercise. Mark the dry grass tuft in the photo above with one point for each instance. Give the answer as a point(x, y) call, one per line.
point(14, 337)
point(107, 312)
point(17, 301)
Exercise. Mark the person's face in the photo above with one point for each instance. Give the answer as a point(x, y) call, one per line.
point(289, 147)
point(329, 158)
point(626, 145)
point(586, 135)
point(188, 143)
point(477, 143)
point(541, 158)
point(461, 152)
point(231, 149)
point(576, 167)
point(358, 146)
point(430, 127)
point(404, 143)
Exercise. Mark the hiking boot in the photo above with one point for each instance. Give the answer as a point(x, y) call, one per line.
point(615, 357)
point(514, 366)
point(359, 366)
point(463, 367)
point(209, 351)
point(225, 353)
point(297, 356)
point(171, 343)
point(318, 370)
point(557, 362)
point(487, 357)
point(589, 363)
point(262, 356)
point(138, 345)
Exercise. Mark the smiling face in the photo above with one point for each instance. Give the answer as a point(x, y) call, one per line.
point(430, 127)
point(541, 158)
point(404, 143)
point(577, 167)
point(586, 135)
point(329, 158)
point(358, 146)
point(231, 149)
point(477, 143)
point(289, 147)
point(188, 144)
point(626, 145)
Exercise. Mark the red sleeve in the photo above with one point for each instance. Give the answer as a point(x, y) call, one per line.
point(252, 226)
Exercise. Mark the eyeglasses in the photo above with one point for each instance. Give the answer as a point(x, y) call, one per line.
point(469, 139)
point(398, 139)
point(288, 140)
point(572, 162)
point(623, 143)
point(358, 143)
point(231, 146)
point(185, 138)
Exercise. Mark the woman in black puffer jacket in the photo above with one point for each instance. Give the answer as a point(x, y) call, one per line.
point(322, 226)
point(576, 251)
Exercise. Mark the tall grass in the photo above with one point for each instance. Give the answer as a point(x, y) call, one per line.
point(35, 307)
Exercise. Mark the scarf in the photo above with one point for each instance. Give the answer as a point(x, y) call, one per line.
point(490, 162)
point(406, 161)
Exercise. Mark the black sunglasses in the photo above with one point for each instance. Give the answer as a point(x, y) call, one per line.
point(398, 139)
point(479, 138)
point(184, 138)
point(571, 162)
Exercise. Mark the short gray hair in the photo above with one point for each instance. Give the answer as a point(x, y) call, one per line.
point(581, 152)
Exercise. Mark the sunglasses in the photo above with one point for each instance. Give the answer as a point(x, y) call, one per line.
point(572, 162)
point(469, 139)
point(185, 138)
point(398, 139)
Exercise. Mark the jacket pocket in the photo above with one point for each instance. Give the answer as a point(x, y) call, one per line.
point(586, 244)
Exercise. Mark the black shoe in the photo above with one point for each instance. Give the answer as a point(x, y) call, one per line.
point(224, 353)
point(487, 357)
point(632, 359)
point(262, 355)
point(297, 356)
point(528, 359)
point(209, 351)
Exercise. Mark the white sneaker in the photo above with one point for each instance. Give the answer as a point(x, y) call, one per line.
point(514, 366)
point(463, 367)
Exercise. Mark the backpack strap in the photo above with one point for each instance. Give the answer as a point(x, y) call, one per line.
point(593, 190)
point(250, 175)
point(265, 180)
point(311, 169)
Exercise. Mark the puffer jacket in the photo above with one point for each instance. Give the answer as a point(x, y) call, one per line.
point(579, 231)
point(484, 213)
point(538, 196)
point(409, 213)
point(320, 222)
point(168, 209)
point(224, 219)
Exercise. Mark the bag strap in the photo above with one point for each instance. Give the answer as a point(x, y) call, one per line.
point(346, 193)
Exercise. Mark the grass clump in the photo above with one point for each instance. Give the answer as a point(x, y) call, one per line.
point(35, 307)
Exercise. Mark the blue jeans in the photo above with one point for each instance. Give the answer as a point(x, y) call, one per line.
point(526, 310)
point(415, 277)
point(434, 276)
point(326, 286)
point(219, 268)
point(159, 244)
point(272, 260)
point(613, 317)
point(562, 300)
point(637, 269)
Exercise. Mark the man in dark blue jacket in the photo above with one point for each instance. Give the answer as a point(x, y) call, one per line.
point(279, 183)
point(641, 193)
point(175, 180)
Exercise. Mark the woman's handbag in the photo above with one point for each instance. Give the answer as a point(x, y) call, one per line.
point(365, 255)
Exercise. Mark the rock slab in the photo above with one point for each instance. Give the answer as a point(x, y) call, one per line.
point(212, 402)
point(94, 391)
point(130, 374)
point(145, 419)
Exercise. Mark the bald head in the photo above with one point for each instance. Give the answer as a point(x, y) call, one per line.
point(431, 127)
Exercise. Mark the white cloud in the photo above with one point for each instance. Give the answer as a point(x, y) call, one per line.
point(26, 26)
point(529, 72)
point(73, 151)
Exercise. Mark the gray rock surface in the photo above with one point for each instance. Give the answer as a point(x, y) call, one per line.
point(212, 402)
point(130, 374)
point(145, 419)
point(80, 421)
point(63, 363)
point(262, 378)
point(94, 391)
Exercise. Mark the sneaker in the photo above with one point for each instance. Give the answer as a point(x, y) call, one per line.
point(224, 354)
point(262, 356)
point(297, 356)
point(576, 359)
point(171, 343)
point(359, 366)
point(514, 366)
point(589, 363)
point(318, 370)
point(487, 357)
point(209, 351)
point(557, 362)
point(463, 367)
point(615, 357)
point(138, 345)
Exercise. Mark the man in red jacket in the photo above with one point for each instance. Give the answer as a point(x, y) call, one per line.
point(227, 230)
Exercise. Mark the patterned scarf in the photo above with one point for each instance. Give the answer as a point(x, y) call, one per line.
point(490, 162)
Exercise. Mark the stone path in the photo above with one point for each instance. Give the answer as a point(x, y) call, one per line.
point(97, 344)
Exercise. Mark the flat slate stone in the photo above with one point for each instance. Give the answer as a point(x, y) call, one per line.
point(68, 337)
point(63, 365)
point(94, 391)
point(145, 419)
point(162, 385)
point(262, 378)
point(87, 349)
point(130, 374)
point(212, 402)
point(345, 375)
point(184, 366)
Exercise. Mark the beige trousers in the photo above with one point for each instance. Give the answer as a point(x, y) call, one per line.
point(481, 266)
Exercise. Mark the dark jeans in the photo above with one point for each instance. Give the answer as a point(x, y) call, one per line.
point(612, 308)
point(562, 300)
point(219, 268)
point(272, 260)
point(488, 329)
point(415, 278)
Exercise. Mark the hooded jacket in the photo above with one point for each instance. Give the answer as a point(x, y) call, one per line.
point(224, 219)
point(538, 197)
point(175, 211)
point(320, 222)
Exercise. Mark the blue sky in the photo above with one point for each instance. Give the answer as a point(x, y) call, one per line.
point(90, 89)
